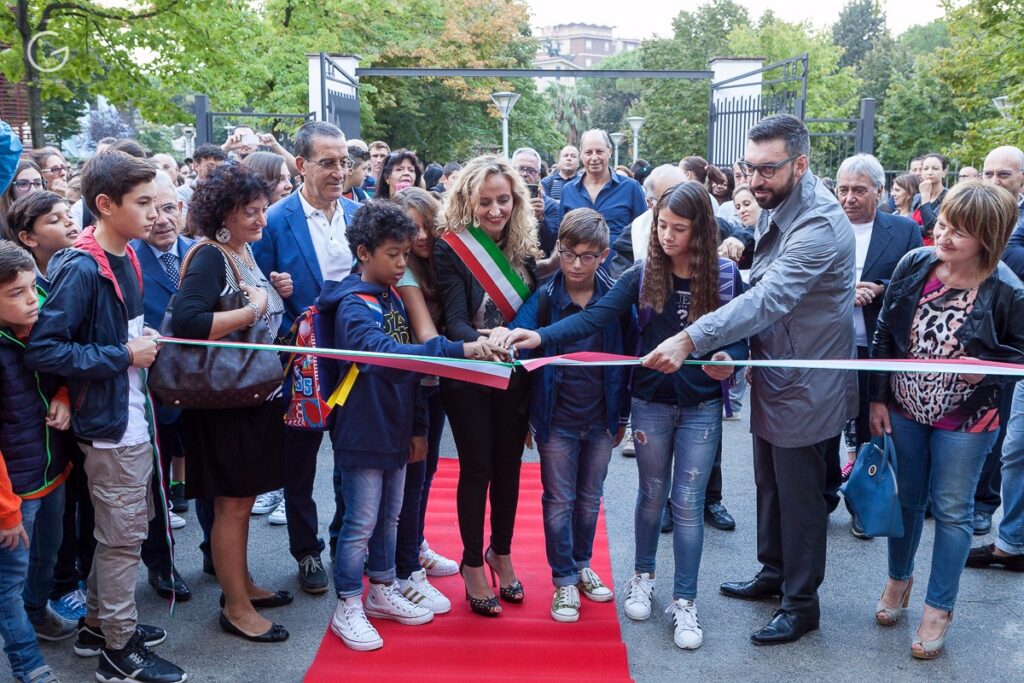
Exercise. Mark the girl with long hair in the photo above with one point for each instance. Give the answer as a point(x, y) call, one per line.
point(27, 179)
point(487, 235)
point(677, 418)
point(414, 558)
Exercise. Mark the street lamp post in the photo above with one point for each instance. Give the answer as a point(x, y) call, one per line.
point(504, 101)
point(636, 123)
point(617, 139)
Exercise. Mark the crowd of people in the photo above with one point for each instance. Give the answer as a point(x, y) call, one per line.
point(492, 259)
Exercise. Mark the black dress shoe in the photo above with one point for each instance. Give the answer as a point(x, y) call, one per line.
point(170, 583)
point(275, 634)
point(278, 599)
point(985, 556)
point(717, 516)
point(982, 523)
point(755, 589)
point(785, 627)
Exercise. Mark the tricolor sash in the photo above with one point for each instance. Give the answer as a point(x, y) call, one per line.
point(491, 269)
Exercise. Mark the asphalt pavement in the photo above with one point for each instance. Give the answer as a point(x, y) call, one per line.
point(984, 641)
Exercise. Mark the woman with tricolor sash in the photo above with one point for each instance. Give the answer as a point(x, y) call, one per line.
point(485, 256)
point(677, 417)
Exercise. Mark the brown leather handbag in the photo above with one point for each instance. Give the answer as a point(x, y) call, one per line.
point(186, 376)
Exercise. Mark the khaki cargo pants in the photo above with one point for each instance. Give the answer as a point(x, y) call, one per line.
point(119, 486)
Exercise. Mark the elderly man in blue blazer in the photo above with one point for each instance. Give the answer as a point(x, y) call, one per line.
point(305, 236)
point(160, 257)
point(882, 240)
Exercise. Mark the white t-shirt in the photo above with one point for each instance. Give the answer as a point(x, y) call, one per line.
point(862, 234)
point(332, 251)
point(137, 431)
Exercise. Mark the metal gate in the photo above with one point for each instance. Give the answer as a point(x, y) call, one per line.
point(339, 96)
point(784, 91)
point(206, 131)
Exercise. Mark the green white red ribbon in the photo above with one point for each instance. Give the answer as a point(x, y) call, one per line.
point(483, 372)
point(496, 374)
point(491, 269)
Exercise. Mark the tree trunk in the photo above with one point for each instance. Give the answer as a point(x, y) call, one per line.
point(32, 91)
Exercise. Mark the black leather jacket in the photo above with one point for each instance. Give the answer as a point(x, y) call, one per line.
point(993, 331)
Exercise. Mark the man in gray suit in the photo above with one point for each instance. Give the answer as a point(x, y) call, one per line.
point(799, 305)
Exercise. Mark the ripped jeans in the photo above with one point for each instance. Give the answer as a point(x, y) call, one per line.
point(685, 437)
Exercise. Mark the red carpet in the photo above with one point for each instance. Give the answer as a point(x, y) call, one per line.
point(523, 644)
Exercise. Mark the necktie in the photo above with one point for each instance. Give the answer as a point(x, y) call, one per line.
point(171, 266)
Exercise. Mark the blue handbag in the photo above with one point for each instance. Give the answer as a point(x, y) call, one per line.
point(871, 489)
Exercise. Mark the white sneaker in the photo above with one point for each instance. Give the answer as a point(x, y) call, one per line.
point(279, 516)
point(266, 502)
point(419, 591)
point(351, 625)
point(565, 606)
point(386, 602)
point(638, 598)
point(628, 447)
point(689, 634)
point(591, 585)
point(435, 563)
point(176, 521)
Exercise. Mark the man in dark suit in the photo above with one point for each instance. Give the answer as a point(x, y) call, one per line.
point(305, 236)
point(160, 257)
point(882, 240)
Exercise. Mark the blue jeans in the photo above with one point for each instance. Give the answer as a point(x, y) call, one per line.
point(947, 465)
point(373, 499)
point(418, 478)
point(1011, 529)
point(573, 465)
point(26, 576)
point(683, 440)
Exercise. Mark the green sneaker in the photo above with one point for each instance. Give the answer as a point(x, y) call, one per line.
point(591, 585)
point(565, 606)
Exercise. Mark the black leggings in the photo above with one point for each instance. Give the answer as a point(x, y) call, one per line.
point(489, 427)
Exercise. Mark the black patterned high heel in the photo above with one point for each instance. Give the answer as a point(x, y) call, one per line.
point(485, 607)
point(513, 593)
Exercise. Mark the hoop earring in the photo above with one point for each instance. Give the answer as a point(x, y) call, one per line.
point(222, 235)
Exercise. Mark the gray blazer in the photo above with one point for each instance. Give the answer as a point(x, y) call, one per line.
point(799, 305)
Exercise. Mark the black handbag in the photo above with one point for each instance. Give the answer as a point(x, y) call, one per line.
point(187, 376)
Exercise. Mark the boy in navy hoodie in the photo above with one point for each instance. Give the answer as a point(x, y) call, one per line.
point(577, 415)
point(381, 423)
point(33, 468)
point(91, 332)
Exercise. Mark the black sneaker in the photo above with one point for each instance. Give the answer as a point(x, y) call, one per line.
point(312, 576)
point(982, 522)
point(91, 642)
point(179, 503)
point(136, 662)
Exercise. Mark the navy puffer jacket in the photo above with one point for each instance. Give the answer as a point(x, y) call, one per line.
point(33, 453)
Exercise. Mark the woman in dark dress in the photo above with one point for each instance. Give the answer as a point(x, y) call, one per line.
point(234, 454)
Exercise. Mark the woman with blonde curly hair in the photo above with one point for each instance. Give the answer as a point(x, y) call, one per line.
point(677, 418)
point(484, 256)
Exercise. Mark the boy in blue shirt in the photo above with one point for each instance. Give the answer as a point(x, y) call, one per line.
point(381, 424)
point(577, 415)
